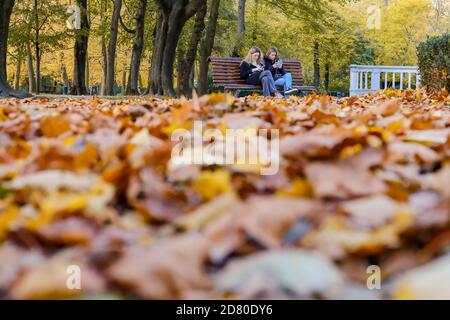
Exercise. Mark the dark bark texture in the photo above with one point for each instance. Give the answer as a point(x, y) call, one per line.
point(240, 29)
point(171, 18)
point(316, 65)
point(186, 60)
point(207, 46)
point(6, 7)
point(110, 68)
point(80, 52)
point(138, 47)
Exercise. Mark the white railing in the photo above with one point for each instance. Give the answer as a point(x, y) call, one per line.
point(370, 79)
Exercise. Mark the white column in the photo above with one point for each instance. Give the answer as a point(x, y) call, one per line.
point(375, 85)
point(366, 85)
point(361, 81)
point(353, 80)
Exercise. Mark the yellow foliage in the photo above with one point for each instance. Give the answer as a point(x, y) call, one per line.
point(299, 188)
point(212, 183)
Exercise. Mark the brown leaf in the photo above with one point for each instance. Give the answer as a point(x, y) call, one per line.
point(166, 270)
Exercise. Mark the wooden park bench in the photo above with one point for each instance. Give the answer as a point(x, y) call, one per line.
point(226, 76)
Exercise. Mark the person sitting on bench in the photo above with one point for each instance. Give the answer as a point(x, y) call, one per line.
point(252, 71)
point(274, 64)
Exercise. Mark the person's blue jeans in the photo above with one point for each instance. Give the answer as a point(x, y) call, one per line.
point(267, 83)
point(285, 81)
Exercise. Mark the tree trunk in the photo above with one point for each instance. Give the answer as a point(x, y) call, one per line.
point(104, 67)
point(316, 65)
point(172, 18)
point(6, 7)
point(240, 29)
point(186, 62)
point(80, 52)
point(38, 67)
point(124, 82)
point(37, 49)
point(176, 24)
point(327, 76)
point(255, 18)
point(18, 71)
point(160, 36)
point(104, 50)
point(30, 69)
point(64, 75)
point(138, 46)
point(192, 78)
point(241, 21)
point(140, 81)
point(110, 70)
point(87, 72)
point(207, 46)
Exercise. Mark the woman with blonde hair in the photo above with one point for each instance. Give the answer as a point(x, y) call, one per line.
point(274, 64)
point(252, 71)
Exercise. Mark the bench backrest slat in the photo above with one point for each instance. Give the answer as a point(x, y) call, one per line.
point(226, 71)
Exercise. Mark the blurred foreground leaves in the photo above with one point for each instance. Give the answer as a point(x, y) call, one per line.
point(90, 182)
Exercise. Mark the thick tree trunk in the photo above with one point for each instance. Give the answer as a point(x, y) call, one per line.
point(240, 29)
point(6, 7)
point(80, 52)
point(110, 70)
point(174, 32)
point(177, 19)
point(241, 21)
point(207, 46)
point(160, 36)
point(30, 70)
point(173, 35)
point(138, 46)
point(316, 65)
point(186, 62)
point(172, 18)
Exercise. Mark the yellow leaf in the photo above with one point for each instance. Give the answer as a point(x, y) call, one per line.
point(216, 97)
point(212, 183)
point(350, 151)
point(70, 141)
point(299, 188)
point(3, 117)
point(7, 218)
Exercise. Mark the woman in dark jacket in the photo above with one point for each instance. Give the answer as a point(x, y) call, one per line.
point(252, 71)
point(274, 64)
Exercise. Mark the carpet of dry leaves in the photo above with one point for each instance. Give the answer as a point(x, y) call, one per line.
point(363, 181)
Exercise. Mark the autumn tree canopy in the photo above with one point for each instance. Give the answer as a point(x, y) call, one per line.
point(162, 47)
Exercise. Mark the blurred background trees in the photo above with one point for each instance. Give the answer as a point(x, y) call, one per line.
point(161, 47)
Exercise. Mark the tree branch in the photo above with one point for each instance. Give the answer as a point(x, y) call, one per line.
point(132, 31)
point(192, 7)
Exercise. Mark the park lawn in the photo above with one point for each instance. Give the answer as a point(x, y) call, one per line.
point(90, 186)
